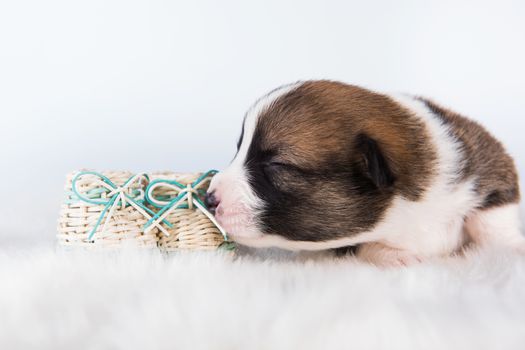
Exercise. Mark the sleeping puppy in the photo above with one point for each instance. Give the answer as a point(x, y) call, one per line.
point(323, 165)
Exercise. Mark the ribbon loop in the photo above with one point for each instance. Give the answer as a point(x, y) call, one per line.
point(187, 196)
point(106, 193)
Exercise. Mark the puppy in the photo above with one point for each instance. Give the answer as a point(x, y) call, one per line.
point(323, 165)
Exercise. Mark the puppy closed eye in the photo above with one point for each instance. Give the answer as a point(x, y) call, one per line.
point(274, 168)
point(277, 165)
point(281, 175)
point(278, 169)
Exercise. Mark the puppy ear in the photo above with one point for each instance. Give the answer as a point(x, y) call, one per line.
point(375, 164)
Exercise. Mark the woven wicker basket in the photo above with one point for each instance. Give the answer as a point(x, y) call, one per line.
point(191, 230)
point(78, 218)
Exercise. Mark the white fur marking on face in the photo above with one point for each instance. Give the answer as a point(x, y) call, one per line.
point(239, 205)
point(252, 117)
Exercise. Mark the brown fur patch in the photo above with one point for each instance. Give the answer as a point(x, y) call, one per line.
point(485, 159)
point(320, 120)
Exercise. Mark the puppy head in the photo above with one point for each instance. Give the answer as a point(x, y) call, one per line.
point(315, 163)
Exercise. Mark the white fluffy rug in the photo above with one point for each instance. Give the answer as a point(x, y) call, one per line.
point(130, 300)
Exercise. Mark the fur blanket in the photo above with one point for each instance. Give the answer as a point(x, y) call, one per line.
point(134, 300)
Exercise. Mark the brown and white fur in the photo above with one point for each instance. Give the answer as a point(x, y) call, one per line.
point(323, 165)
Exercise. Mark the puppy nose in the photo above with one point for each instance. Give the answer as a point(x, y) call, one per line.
point(211, 201)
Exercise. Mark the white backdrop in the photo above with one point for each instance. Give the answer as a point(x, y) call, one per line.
point(153, 84)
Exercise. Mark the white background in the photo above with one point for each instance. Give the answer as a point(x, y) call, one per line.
point(145, 85)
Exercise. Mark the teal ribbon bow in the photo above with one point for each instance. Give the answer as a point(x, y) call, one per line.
point(114, 196)
point(187, 197)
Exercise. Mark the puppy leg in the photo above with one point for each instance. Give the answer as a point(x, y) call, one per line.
point(384, 256)
point(499, 226)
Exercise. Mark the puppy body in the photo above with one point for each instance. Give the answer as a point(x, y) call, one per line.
point(324, 165)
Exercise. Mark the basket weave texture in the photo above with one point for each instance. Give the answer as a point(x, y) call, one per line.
point(190, 228)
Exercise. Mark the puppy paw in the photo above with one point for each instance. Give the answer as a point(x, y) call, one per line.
point(384, 256)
